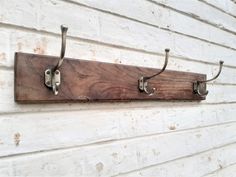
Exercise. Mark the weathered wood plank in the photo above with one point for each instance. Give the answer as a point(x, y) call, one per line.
point(97, 81)
point(119, 157)
point(228, 171)
point(225, 6)
point(194, 166)
point(203, 12)
point(217, 94)
point(117, 31)
point(94, 126)
point(153, 14)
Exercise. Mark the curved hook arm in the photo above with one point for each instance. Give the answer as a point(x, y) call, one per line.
point(217, 75)
point(143, 81)
point(63, 46)
point(198, 86)
point(164, 66)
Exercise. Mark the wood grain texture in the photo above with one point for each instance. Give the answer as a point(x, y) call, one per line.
point(96, 81)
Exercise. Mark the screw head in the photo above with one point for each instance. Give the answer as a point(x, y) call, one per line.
point(48, 72)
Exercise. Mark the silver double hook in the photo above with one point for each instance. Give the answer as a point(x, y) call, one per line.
point(143, 81)
point(53, 75)
point(199, 87)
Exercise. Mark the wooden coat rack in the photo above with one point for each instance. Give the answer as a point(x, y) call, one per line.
point(45, 79)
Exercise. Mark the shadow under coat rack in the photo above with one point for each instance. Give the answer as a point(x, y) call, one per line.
point(45, 79)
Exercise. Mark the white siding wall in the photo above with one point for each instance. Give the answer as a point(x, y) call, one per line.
point(150, 139)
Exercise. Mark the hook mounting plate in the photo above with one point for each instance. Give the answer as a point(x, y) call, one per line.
point(52, 79)
point(85, 80)
point(142, 83)
point(49, 77)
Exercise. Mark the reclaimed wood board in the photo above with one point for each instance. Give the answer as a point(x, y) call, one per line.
point(83, 81)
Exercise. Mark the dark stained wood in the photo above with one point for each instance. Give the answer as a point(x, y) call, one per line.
point(83, 81)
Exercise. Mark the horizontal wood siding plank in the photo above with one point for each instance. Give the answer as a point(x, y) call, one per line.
point(112, 30)
point(194, 166)
point(227, 6)
point(152, 14)
point(228, 171)
point(201, 11)
point(67, 129)
point(119, 157)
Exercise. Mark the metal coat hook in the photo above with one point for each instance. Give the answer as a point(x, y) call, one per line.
point(143, 81)
point(53, 75)
point(199, 87)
